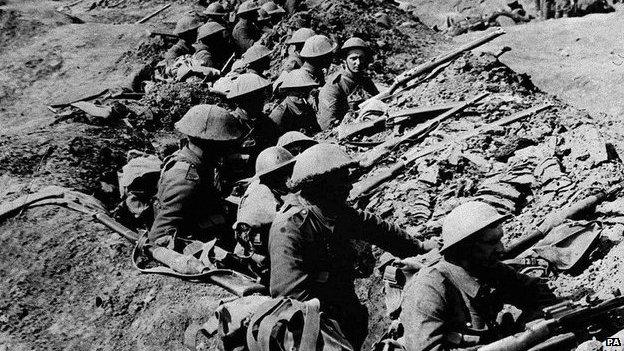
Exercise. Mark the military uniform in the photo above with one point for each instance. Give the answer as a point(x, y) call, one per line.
point(210, 57)
point(312, 257)
point(262, 133)
point(334, 95)
point(295, 114)
point(245, 34)
point(189, 201)
point(445, 307)
point(178, 49)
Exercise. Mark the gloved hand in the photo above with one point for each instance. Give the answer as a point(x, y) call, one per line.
point(432, 244)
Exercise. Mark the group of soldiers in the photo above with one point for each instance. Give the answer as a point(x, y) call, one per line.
point(293, 224)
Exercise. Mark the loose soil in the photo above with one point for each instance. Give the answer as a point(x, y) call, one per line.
point(69, 283)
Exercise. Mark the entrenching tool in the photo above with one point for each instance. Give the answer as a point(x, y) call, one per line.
point(178, 265)
point(415, 153)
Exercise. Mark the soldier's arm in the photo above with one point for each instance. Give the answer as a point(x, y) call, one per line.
point(176, 196)
point(174, 52)
point(288, 276)
point(328, 105)
point(368, 227)
point(521, 290)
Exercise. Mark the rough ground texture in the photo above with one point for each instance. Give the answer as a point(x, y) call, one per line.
point(68, 282)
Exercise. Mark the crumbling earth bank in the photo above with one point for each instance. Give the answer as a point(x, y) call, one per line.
point(69, 283)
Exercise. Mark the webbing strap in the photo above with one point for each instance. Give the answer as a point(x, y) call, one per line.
point(311, 326)
point(265, 330)
point(264, 310)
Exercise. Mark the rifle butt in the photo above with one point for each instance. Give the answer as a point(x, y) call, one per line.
point(350, 130)
point(372, 182)
point(524, 340)
point(558, 342)
point(117, 227)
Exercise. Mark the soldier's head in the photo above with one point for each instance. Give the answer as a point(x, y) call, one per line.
point(472, 235)
point(299, 38)
point(216, 12)
point(248, 10)
point(321, 175)
point(212, 129)
point(249, 91)
point(295, 142)
point(318, 51)
point(257, 58)
point(357, 54)
point(275, 12)
point(211, 33)
point(186, 27)
point(297, 83)
point(273, 168)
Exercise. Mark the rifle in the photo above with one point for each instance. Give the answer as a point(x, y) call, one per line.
point(422, 112)
point(372, 156)
point(178, 265)
point(554, 219)
point(148, 17)
point(428, 66)
point(560, 322)
point(152, 34)
point(415, 154)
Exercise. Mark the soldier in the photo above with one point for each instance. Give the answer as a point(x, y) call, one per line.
point(295, 44)
point(246, 31)
point(309, 248)
point(211, 50)
point(334, 95)
point(249, 93)
point(264, 23)
point(186, 30)
point(275, 12)
point(295, 142)
point(190, 189)
point(453, 304)
point(295, 112)
point(260, 203)
point(217, 13)
point(317, 54)
point(258, 59)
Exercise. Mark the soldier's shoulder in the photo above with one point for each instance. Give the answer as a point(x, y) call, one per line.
point(335, 78)
point(180, 167)
point(292, 213)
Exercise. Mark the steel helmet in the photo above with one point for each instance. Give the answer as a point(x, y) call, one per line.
point(297, 78)
point(209, 29)
point(317, 46)
point(300, 36)
point(215, 9)
point(355, 43)
point(294, 137)
point(272, 159)
point(272, 8)
point(210, 122)
point(139, 167)
point(466, 220)
point(247, 7)
point(255, 53)
point(189, 22)
point(318, 160)
point(247, 83)
point(257, 207)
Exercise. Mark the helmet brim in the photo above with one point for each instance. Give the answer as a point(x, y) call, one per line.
point(494, 221)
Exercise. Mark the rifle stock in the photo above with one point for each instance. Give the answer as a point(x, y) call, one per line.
point(372, 156)
point(415, 154)
point(523, 340)
point(421, 112)
point(428, 66)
